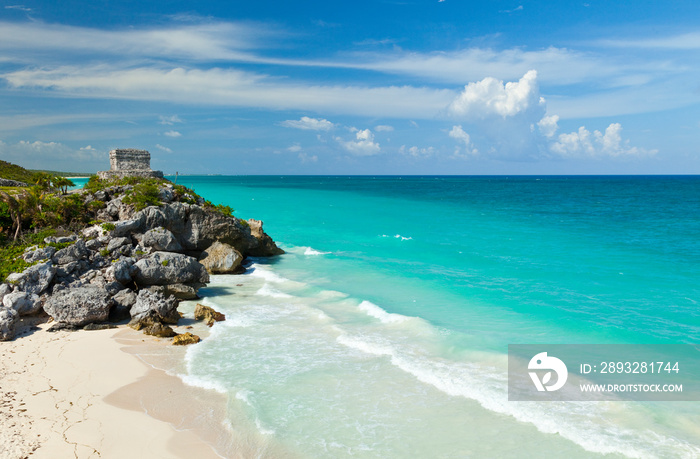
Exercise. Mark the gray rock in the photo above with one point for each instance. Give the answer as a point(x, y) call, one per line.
point(166, 195)
point(162, 268)
point(123, 228)
point(34, 279)
point(39, 254)
point(122, 271)
point(8, 320)
point(22, 302)
point(8, 182)
point(68, 268)
point(79, 306)
point(183, 291)
point(161, 239)
point(156, 307)
point(125, 298)
point(4, 290)
point(118, 242)
point(221, 258)
point(101, 195)
point(75, 252)
point(94, 244)
point(66, 239)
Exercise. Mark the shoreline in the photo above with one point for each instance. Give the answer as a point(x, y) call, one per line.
point(81, 394)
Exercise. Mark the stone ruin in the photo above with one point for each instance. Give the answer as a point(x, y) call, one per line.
point(129, 163)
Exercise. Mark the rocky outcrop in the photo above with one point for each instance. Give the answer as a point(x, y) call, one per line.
point(221, 258)
point(135, 265)
point(8, 182)
point(79, 306)
point(208, 314)
point(264, 245)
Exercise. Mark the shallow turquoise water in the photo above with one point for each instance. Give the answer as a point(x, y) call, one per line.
point(383, 331)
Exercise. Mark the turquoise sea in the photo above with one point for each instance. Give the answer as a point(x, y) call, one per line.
point(383, 330)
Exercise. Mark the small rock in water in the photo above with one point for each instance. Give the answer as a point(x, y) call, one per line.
point(209, 315)
point(185, 339)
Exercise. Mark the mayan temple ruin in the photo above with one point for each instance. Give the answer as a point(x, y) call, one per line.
point(129, 163)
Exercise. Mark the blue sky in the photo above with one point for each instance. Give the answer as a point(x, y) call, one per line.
point(364, 87)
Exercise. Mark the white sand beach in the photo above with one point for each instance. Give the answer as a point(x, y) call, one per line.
point(53, 390)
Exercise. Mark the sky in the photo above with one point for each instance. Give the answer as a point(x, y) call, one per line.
point(363, 87)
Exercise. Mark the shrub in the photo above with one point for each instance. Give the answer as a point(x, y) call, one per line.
point(144, 194)
point(108, 226)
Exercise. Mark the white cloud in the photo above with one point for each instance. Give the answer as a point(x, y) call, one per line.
point(51, 155)
point(19, 7)
point(309, 124)
point(583, 143)
point(548, 125)
point(173, 134)
point(170, 120)
point(294, 148)
point(363, 145)
point(686, 41)
point(162, 148)
point(417, 152)
point(304, 158)
point(490, 97)
point(460, 135)
point(384, 128)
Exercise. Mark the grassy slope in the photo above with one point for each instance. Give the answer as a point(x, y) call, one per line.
point(14, 172)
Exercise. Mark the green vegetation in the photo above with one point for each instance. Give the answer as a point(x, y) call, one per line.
point(164, 262)
point(104, 252)
point(143, 194)
point(14, 172)
point(11, 254)
point(108, 226)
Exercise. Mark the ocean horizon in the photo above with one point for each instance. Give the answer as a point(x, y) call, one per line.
point(384, 329)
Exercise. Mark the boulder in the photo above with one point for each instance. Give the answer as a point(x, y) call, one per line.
point(22, 302)
point(179, 291)
point(123, 301)
point(79, 306)
point(32, 256)
point(122, 271)
point(161, 239)
point(4, 290)
point(208, 314)
point(118, 242)
point(75, 252)
point(159, 330)
point(125, 227)
point(264, 245)
point(154, 307)
point(185, 339)
point(34, 279)
point(8, 321)
point(204, 227)
point(162, 268)
point(221, 258)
